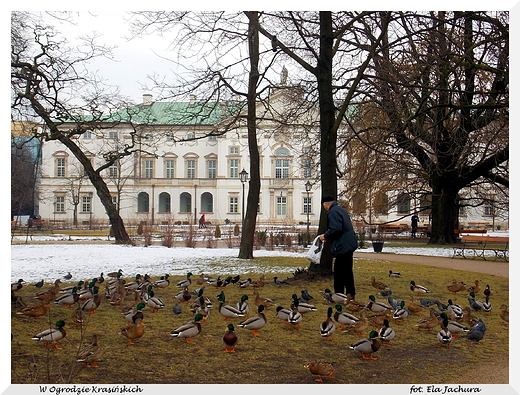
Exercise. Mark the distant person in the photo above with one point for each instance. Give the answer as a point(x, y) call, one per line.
point(415, 222)
point(202, 221)
point(341, 234)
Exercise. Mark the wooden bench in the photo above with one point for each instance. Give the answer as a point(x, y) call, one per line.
point(477, 246)
point(479, 231)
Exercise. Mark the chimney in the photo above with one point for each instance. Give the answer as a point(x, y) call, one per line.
point(147, 99)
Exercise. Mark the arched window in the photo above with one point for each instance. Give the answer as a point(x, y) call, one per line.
point(143, 202)
point(381, 204)
point(359, 203)
point(281, 165)
point(206, 202)
point(165, 203)
point(185, 203)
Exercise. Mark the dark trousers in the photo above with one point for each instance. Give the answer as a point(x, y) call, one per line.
point(343, 274)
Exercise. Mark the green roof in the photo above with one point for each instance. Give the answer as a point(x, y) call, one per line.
point(176, 113)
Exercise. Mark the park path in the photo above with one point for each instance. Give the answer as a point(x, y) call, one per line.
point(495, 268)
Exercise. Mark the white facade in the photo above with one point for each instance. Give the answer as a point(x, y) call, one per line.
point(178, 181)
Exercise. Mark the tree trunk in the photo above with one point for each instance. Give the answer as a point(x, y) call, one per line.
point(444, 214)
point(247, 238)
point(329, 185)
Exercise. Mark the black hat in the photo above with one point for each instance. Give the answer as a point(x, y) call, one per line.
point(327, 198)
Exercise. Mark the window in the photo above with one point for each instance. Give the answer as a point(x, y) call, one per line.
point(307, 168)
point(359, 203)
point(61, 167)
point(191, 168)
point(403, 204)
point(165, 202)
point(185, 203)
point(206, 202)
point(114, 200)
point(86, 204)
point(234, 150)
point(233, 204)
point(59, 204)
point(113, 171)
point(212, 138)
point(381, 204)
point(307, 205)
point(281, 206)
point(87, 135)
point(190, 136)
point(143, 202)
point(281, 152)
point(148, 168)
point(234, 165)
point(212, 168)
point(148, 137)
point(169, 168)
point(282, 168)
point(112, 135)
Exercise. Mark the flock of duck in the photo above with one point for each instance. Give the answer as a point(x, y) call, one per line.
point(343, 313)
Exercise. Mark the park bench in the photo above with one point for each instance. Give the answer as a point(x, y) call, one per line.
point(479, 231)
point(477, 246)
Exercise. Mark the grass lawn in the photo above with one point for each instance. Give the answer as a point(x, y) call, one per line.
point(279, 354)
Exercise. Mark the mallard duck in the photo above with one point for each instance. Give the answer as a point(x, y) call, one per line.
point(68, 289)
point(486, 305)
point(295, 316)
point(227, 311)
point(418, 288)
point(456, 311)
point(302, 306)
point(328, 327)
point(456, 286)
point(52, 335)
point(359, 326)
point(392, 274)
point(115, 274)
point(378, 284)
point(428, 322)
point(101, 278)
point(256, 322)
point(153, 301)
point(320, 368)
point(230, 338)
point(353, 305)
point(377, 307)
point(366, 346)
point(386, 333)
point(163, 282)
point(93, 303)
point(88, 290)
point(280, 282)
point(344, 318)
point(90, 354)
point(336, 297)
point(36, 310)
point(400, 313)
point(67, 300)
point(453, 326)
point(444, 335)
point(283, 314)
point(186, 282)
point(468, 318)
point(243, 306)
point(184, 295)
point(78, 316)
point(201, 307)
point(504, 313)
point(215, 282)
point(134, 285)
point(244, 283)
point(414, 307)
point(378, 318)
point(17, 285)
point(189, 330)
point(133, 331)
point(133, 315)
point(259, 282)
point(488, 291)
point(475, 288)
point(266, 302)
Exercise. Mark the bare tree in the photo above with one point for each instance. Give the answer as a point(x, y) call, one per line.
point(51, 84)
point(440, 82)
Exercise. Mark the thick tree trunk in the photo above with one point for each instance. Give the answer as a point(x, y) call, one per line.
point(329, 185)
point(248, 228)
point(444, 214)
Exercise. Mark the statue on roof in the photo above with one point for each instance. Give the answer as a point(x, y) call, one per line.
point(283, 79)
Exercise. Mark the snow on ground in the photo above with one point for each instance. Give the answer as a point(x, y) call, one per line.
point(33, 262)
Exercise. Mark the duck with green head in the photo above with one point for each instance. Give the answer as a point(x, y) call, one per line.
point(328, 327)
point(189, 330)
point(52, 335)
point(230, 338)
point(367, 346)
point(256, 322)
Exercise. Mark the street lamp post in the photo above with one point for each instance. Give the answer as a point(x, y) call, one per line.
point(308, 187)
point(243, 179)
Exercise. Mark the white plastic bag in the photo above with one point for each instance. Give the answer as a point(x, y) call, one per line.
point(314, 252)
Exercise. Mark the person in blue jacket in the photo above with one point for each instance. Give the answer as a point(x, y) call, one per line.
point(341, 234)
